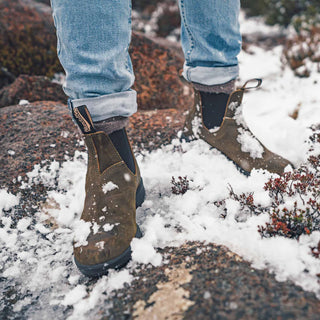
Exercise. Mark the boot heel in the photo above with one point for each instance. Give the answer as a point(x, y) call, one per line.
point(140, 194)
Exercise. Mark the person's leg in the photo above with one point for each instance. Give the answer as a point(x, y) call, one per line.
point(93, 40)
point(211, 40)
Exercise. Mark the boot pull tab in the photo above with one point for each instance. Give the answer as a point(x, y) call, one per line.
point(83, 119)
point(255, 80)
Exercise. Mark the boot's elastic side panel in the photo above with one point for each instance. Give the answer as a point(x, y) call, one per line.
point(107, 155)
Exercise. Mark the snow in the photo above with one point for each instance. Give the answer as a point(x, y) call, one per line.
point(11, 153)
point(23, 102)
point(100, 245)
point(109, 186)
point(36, 257)
point(81, 233)
point(207, 295)
point(127, 177)
point(108, 227)
point(118, 279)
point(256, 25)
point(95, 228)
point(75, 295)
point(23, 224)
point(250, 144)
point(20, 304)
point(144, 252)
point(7, 200)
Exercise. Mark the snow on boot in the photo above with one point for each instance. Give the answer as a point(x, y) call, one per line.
point(233, 137)
point(113, 192)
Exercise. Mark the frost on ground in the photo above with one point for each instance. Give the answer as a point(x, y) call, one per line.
point(36, 253)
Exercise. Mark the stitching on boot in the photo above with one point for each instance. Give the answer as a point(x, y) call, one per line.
point(85, 124)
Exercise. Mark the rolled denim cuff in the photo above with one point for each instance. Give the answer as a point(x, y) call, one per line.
point(210, 76)
point(123, 104)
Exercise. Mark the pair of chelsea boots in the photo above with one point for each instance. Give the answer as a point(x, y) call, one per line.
point(113, 191)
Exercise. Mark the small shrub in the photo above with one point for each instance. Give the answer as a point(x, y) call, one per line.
point(302, 186)
point(288, 223)
point(295, 199)
point(246, 202)
point(30, 51)
point(299, 13)
point(180, 186)
point(254, 7)
point(302, 51)
point(141, 5)
point(168, 19)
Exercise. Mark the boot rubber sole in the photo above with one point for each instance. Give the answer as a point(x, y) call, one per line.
point(100, 269)
point(140, 194)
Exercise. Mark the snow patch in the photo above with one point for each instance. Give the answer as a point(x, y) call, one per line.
point(250, 144)
point(81, 233)
point(23, 224)
point(144, 252)
point(108, 227)
point(75, 295)
point(23, 102)
point(7, 200)
point(100, 245)
point(95, 228)
point(109, 186)
point(11, 153)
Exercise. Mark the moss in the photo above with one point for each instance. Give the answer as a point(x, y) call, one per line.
point(168, 20)
point(29, 51)
point(254, 7)
point(298, 13)
point(301, 51)
point(140, 5)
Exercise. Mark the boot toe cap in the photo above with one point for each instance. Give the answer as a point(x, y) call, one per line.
point(104, 246)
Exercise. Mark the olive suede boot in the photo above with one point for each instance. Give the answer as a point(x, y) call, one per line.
point(113, 192)
point(232, 137)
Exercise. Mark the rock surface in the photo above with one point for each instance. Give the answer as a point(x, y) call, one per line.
point(157, 75)
point(31, 88)
point(27, 38)
point(28, 46)
point(44, 130)
point(209, 282)
point(21, 14)
point(199, 281)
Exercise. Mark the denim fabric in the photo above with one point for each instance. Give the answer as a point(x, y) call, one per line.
point(109, 105)
point(211, 40)
point(93, 40)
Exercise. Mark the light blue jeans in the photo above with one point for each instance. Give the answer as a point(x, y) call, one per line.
point(93, 40)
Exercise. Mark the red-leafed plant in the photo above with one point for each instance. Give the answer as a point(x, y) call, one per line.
point(295, 199)
point(180, 186)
